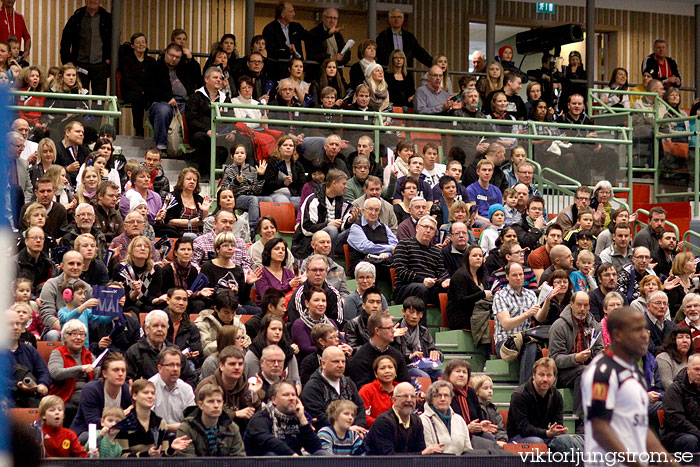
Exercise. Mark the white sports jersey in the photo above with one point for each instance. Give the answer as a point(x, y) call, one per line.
point(615, 391)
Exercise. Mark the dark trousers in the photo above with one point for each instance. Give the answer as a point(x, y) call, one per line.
point(685, 443)
point(571, 378)
point(138, 108)
point(97, 74)
point(418, 289)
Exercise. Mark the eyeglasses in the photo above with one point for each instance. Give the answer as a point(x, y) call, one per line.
point(583, 198)
point(659, 303)
point(519, 252)
point(385, 327)
point(135, 222)
point(427, 227)
point(35, 238)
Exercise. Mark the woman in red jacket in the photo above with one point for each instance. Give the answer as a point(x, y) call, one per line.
point(377, 395)
point(71, 367)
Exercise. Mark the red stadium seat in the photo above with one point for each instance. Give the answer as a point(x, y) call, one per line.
point(24, 416)
point(283, 213)
point(532, 448)
point(443, 308)
point(46, 347)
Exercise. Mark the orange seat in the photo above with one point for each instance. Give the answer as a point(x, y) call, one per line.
point(244, 318)
point(24, 416)
point(545, 352)
point(492, 331)
point(193, 317)
point(283, 213)
point(424, 383)
point(443, 308)
point(532, 448)
point(346, 251)
point(421, 139)
point(253, 295)
point(46, 347)
point(660, 414)
point(504, 414)
point(142, 318)
point(477, 232)
point(392, 273)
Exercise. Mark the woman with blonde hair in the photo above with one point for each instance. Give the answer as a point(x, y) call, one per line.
point(684, 270)
point(284, 176)
point(46, 152)
point(62, 187)
point(493, 81)
point(379, 91)
point(140, 275)
point(87, 190)
point(401, 86)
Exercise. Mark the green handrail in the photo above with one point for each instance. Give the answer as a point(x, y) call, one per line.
point(111, 112)
point(690, 246)
point(219, 110)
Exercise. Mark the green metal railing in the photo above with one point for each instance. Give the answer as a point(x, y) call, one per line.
point(686, 242)
point(219, 110)
point(111, 112)
point(676, 117)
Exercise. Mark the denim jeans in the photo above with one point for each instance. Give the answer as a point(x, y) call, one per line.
point(161, 114)
point(251, 203)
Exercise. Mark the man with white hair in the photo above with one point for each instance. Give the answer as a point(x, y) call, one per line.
point(370, 240)
point(321, 244)
point(31, 148)
point(142, 357)
point(373, 189)
point(420, 270)
point(399, 430)
point(19, 168)
point(85, 223)
point(659, 326)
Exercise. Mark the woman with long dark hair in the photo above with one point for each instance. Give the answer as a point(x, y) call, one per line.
point(677, 348)
point(188, 208)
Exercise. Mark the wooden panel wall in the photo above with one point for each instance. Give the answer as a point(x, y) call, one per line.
point(441, 25)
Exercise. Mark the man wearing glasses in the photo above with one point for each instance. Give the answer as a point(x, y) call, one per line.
point(395, 37)
point(325, 41)
point(632, 273)
point(173, 395)
point(420, 270)
point(582, 199)
point(134, 225)
point(399, 430)
point(431, 98)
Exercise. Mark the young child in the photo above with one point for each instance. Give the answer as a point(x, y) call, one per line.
point(585, 241)
point(24, 313)
point(58, 441)
point(80, 308)
point(130, 166)
point(107, 445)
point(584, 221)
point(23, 294)
point(510, 200)
point(338, 438)
point(417, 343)
point(483, 386)
point(318, 171)
point(583, 277)
point(14, 52)
point(242, 177)
point(497, 217)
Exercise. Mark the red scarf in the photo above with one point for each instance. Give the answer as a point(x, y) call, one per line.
point(461, 396)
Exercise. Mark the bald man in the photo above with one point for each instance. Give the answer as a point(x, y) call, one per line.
point(561, 258)
point(328, 384)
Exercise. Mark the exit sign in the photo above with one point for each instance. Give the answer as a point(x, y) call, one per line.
point(547, 8)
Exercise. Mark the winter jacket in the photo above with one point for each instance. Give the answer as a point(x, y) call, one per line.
point(235, 399)
point(260, 439)
point(456, 441)
point(198, 110)
point(530, 415)
point(38, 271)
point(426, 343)
point(228, 437)
point(92, 402)
point(158, 86)
point(187, 337)
point(356, 332)
point(70, 38)
point(681, 409)
point(209, 327)
point(489, 412)
point(72, 233)
point(318, 394)
point(160, 183)
point(562, 338)
point(141, 361)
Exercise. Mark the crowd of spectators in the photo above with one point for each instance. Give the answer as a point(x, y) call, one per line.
point(228, 341)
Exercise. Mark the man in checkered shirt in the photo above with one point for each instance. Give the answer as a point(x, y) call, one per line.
point(204, 244)
point(514, 307)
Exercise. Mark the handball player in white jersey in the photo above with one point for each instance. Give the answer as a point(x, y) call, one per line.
point(615, 398)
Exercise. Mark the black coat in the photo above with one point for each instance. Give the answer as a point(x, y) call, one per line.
point(141, 362)
point(461, 297)
point(277, 49)
point(158, 87)
point(70, 38)
point(64, 158)
point(681, 409)
point(411, 47)
point(133, 72)
point(272, 181)
point(316, 49)
point(318, 393)
point(530, 415)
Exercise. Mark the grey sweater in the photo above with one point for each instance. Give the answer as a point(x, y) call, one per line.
point(52, 300)
point(59, 373)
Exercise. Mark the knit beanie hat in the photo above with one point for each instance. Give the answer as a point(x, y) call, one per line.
point(496, 207)
point(135, 200)
point(370, 68)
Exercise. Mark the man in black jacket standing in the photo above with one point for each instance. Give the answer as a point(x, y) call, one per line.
point(167, 88)
point(86, 42)
point(396, 37)
point(283, 40)
point(325, 41)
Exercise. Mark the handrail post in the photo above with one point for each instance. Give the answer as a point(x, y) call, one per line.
point(212, 149)
point(379, 121)
point(696, 171)
point(630, 159)
point(656, 149)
